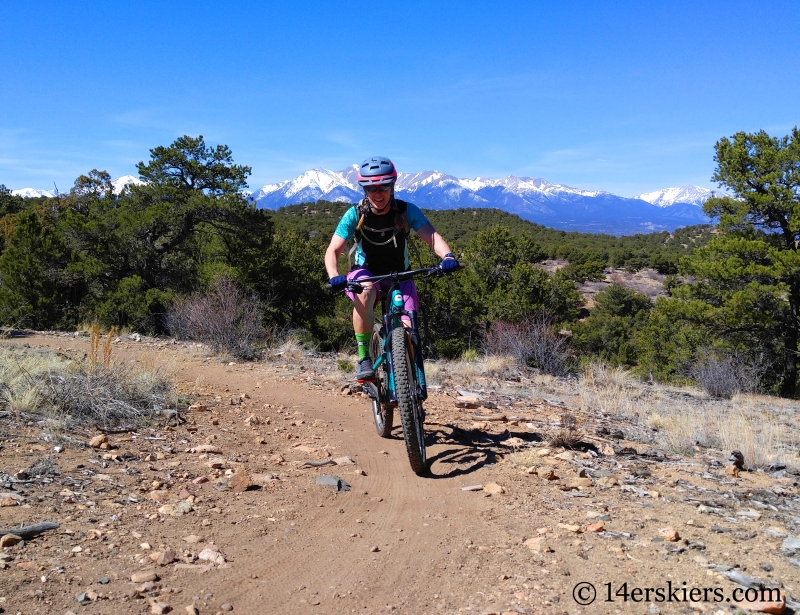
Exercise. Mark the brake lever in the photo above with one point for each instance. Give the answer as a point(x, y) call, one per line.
point(355, 288)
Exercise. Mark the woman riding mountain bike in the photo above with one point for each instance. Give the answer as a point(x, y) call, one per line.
point(380, 226)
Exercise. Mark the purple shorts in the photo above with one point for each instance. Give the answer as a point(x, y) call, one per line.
point(408, 288)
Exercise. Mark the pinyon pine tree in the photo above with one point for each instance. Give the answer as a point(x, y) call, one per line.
point(746, 294)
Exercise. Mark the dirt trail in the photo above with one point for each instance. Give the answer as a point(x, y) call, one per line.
point(395, 542)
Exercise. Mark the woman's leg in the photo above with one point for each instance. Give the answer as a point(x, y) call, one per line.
point(363, 304)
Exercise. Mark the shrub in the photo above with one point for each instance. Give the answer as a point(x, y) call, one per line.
point(470, 355)
point(225, 317)
point(344, 366)
point(723, 375)
point(533, 342)
point(84, 392)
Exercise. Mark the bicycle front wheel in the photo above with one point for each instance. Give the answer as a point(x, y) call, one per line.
point(408, 402)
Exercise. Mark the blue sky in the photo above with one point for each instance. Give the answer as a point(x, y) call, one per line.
point(620, 96)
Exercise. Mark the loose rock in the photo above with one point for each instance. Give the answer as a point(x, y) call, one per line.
point(777, 608)
point(332, 481)
point(570, 528)
point(538, 543)
point(212, 554)
point(494, 489)
point(98, 441)
point(9, 540)
point(240, 481)
point(546, 473)
point(176, 510)
point(732, 471)
point(791, 546)
point(144, 577)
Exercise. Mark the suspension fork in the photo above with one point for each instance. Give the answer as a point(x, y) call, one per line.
point(416, 354)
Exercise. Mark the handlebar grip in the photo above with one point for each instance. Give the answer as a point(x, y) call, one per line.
point(453, 270)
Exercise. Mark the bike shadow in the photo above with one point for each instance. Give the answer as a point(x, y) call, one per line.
point(469, 450)
point(465, 452)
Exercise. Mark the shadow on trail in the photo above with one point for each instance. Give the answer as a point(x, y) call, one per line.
point(469, 450)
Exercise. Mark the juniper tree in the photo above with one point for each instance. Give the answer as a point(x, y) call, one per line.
point(745, 295)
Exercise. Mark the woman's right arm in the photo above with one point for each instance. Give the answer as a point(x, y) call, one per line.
point(332, 254)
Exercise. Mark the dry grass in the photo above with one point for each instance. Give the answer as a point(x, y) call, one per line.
point(677, 419)
point(763, 428)
point(568, 436)
point(462, 373)
point(65, 392)
point(525, 459)
point(291, 348)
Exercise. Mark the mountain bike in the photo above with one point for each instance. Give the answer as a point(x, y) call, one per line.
point(399, 367)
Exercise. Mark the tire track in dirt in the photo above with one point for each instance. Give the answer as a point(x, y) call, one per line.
point(404, 515)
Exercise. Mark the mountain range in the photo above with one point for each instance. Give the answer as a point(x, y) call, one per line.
point(118, 186)
point(535, 199)
point(554, 205)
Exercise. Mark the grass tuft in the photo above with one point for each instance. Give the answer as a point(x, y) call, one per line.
point(68, 392)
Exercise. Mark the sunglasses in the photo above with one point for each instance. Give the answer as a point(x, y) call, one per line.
point(373, 189)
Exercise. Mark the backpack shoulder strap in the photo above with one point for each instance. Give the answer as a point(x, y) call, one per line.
point(361, 214)
point(400, 208)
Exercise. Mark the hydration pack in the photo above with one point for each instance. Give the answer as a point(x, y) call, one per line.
point(389, 247)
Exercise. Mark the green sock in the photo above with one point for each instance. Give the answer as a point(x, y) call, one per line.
point(363, 340)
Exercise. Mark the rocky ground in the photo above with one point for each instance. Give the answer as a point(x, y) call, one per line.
point(232, 511)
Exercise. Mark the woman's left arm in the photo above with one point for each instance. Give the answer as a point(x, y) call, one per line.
point(434, 240)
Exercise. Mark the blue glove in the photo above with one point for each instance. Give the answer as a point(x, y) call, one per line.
point(449, 264)
point(338, 283)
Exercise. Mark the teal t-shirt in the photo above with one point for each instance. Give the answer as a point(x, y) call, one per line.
point(347, 227)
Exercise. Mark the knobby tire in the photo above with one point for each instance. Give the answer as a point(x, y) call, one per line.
point(410, 410)
point(382, 410)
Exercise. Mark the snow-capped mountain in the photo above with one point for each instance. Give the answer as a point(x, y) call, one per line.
point(310, 186)
point(691, 195)
point(30, 193)
point(120, 183)
point(533, 199)
point(118, 186)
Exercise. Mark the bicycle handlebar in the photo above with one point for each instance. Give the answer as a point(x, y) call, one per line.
point(401, 276)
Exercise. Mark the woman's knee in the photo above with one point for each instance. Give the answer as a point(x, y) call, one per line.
point(366, 299)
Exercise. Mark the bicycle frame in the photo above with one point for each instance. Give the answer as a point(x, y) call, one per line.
point(401, 386)
point(393, 313)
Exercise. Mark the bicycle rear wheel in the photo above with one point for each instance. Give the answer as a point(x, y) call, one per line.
point(407, 401)
point(382, 410)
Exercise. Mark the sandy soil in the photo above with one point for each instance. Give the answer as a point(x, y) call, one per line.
point(395, 542)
